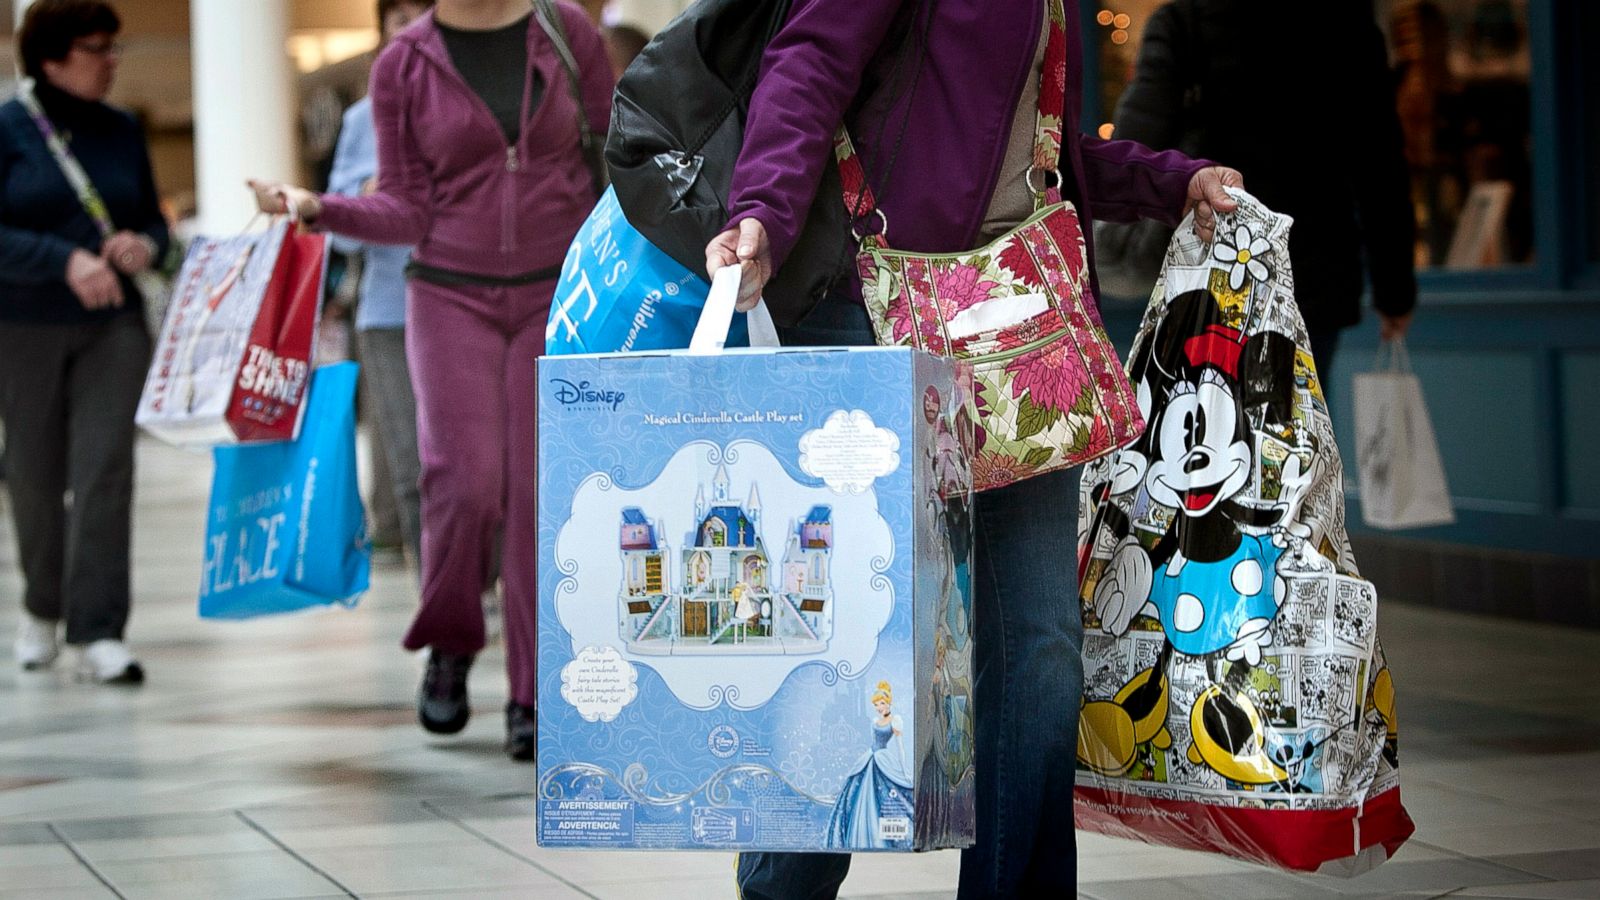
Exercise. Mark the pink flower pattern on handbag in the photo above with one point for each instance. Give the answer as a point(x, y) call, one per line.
point(997, 469)
point(1054, 378)
point(1050, 391)
point(958, 287)
point(1016, 259)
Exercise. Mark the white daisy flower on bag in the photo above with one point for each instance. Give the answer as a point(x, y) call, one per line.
point(1243, 254)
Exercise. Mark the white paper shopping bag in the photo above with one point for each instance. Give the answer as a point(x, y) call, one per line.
point(1402, 476)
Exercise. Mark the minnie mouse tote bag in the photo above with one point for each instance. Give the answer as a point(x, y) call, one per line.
point(1236, 698)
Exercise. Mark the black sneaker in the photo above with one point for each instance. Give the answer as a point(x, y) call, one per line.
point(521, 732)
point(442, 702)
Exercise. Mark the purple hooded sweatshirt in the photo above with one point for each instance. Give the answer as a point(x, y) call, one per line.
point(979, 53)
point(470, 202)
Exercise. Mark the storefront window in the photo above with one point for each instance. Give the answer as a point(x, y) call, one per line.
point(1462, 92)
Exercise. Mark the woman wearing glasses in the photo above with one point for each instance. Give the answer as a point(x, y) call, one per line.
point(79, 217)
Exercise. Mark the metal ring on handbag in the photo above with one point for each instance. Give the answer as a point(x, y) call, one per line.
point(1039, 192)
point(882, 232)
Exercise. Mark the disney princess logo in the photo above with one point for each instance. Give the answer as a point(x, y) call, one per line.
point(585, 393)
point(723, 741)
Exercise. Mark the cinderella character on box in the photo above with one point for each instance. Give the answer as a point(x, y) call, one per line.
point(874, 808)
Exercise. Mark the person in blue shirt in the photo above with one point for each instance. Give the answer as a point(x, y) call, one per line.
point(381, 310)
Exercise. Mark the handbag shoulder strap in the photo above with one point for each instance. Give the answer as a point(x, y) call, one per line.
point(1052, 112)
point(71, 169)
point(860, 202)
point(550, 20)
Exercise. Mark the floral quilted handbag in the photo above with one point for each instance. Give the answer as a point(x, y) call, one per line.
point(1051, 392)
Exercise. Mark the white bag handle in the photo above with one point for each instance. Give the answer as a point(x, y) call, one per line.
point(711, 332)
point(763, 331)
point(1392, 357)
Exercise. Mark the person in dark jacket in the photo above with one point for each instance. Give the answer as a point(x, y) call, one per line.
point(960, 177)
point(73, 344)
point(1300, 97)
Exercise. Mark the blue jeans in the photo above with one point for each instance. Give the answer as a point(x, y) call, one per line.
point(1028, 641)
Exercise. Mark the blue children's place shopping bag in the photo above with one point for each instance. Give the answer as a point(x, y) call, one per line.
point(286, 530)
point(619, 293)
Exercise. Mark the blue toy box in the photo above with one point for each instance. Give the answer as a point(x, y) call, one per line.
point(755, 601)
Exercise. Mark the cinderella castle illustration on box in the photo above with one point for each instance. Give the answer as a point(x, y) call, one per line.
point(728, 600)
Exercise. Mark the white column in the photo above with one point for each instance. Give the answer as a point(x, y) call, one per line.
point(244, 108)
point(21, 6)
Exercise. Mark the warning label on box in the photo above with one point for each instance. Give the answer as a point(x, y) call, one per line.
point(723, 825)
point(586, 822)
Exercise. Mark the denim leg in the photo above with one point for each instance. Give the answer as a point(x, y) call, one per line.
point(383, 517)
point(1028, 646)
point(791, 876)
point(836, 322)
point(1028, 641)
point(383, 358)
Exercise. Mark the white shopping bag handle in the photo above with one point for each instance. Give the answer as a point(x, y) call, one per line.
point(711, 332)
point(1392, 357)
point(763, 331)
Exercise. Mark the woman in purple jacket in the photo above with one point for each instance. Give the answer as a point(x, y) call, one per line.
point(479, 167)
point(958, 178)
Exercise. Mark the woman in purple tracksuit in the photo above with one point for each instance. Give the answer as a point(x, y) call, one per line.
point(958, 179)
point(480, 168)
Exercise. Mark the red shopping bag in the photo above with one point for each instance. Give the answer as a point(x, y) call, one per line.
point(235, 352)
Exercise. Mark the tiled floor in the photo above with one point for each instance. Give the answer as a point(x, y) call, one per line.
point(278, 758)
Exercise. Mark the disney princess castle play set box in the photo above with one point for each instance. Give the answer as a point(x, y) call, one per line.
point(755, 601)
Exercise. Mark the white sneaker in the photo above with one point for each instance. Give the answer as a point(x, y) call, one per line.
point(36, 645)
point(110, 662)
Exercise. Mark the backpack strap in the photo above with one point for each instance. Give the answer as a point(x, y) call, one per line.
point(550, 20)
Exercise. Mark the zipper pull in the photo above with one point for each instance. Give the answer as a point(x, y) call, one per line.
point(511, 159)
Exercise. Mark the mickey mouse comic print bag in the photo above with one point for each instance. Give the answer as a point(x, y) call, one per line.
point(1236, 698)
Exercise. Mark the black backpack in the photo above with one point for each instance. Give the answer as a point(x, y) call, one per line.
point(677, 125)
